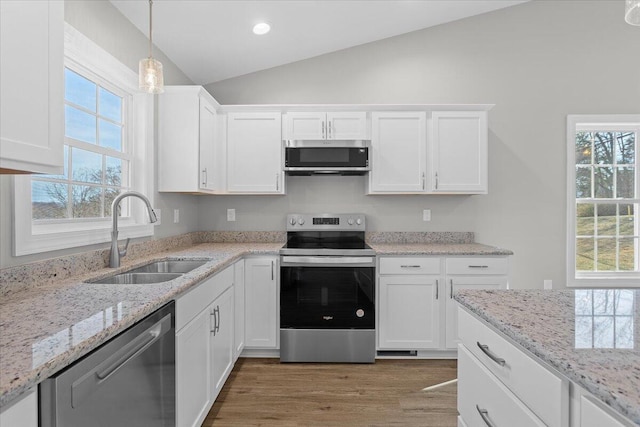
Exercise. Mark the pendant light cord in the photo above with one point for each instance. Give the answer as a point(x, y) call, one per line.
point(150, 27)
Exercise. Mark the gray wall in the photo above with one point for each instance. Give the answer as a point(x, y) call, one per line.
point(537, 62)
point(107, 27)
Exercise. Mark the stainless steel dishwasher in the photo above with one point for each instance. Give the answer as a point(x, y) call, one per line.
point(128, 381)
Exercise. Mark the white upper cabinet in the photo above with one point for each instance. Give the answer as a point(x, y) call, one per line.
point(398, 159)
point(187, 134)
point(254, 153)
point(32, 85)
point(320, 125)
point(458, 150)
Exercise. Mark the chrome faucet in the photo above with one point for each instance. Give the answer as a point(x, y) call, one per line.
point(116, 253)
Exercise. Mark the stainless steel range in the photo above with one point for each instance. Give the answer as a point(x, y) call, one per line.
point(327, 290)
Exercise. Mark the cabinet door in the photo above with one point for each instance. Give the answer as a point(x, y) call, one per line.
point(306, 125)
point(347, 125)
point(398, 144)
point(261, 298)
point(254, 147)
point(238, 286)
point(32, 84)
point(193, 371)
point(409, 312)
point(206, 138)
point(222, 340)
point(453, 285)
point(22, 413)
point(459, 150)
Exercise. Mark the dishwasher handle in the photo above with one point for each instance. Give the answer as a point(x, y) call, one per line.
point(101, 373)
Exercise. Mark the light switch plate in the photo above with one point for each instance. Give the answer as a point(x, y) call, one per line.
point(426, 215)
point(231, 214)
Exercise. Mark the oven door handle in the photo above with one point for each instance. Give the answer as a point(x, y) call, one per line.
point(292, 261)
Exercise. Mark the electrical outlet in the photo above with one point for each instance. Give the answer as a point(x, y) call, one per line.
point(176, 216)
point(231, 214)
point(426, 215)
point(548, 284)
point(158, 213)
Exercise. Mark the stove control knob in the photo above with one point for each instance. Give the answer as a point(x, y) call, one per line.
point(292, 221)
point(359, 221)
point(350, 221)
point(301, 221)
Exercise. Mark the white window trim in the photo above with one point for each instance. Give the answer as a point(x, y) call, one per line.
point(594, 279)
point(29, 238)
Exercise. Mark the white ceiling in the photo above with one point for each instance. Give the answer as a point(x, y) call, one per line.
point(212, 40)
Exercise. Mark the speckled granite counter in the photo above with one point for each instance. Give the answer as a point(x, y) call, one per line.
point(573, 331)
point(437, 249)
point(45, 328)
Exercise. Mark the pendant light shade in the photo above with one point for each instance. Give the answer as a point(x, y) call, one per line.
point(150, 77)
point(632, 12)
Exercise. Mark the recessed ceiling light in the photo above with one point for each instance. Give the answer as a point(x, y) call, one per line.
point(261, 28)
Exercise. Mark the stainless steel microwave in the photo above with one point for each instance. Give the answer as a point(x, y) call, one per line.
point(344, 157)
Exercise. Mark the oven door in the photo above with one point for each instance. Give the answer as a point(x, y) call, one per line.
point(327, 292)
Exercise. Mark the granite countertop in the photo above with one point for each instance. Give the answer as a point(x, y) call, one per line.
point(573, 331)
point(50, 316)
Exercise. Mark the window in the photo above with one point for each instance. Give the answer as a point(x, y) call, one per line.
point(108, 125)
point(95, 153)
point(603, 207)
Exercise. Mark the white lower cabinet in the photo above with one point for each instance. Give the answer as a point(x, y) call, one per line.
point(21, 413)
point(416, 309)
point(261, 303)
point(204, 346)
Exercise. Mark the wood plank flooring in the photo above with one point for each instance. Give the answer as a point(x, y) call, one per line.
point(264, 392)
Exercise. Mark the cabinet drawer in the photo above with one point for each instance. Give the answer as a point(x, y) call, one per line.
point(409, 265)
point(479, 390)
point(477, 265)
point(517, 371)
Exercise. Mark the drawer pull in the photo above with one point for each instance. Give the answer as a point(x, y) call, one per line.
point(485, 349)
point(478, 266)
point(409, 266)
point(485, 416)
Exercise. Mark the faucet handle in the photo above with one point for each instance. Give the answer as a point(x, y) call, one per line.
point(123, 251)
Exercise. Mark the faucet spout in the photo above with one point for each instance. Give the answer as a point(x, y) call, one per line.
point(116, 253)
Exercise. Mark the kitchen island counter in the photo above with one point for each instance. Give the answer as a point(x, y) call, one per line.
point(567, 330)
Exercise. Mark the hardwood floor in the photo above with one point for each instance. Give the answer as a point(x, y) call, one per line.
point(264, 392)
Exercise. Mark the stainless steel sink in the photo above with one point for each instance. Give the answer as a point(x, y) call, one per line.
point(131, 278)
point(169, 266)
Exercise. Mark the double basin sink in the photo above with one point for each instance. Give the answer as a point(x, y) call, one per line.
point(154, 272)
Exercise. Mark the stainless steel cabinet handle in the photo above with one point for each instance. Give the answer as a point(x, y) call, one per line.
point(409, 266)
point(204, 176)
point(451, 289)
point(437, 289)
point(213, 320)
point(485, 349)
point(478, 266)
point(217, 319)
point(272, 270)
point(329, 124)
point(323, 131)
point(423, 182)
point(485, 416)
point(277, 181)
point(436, 180)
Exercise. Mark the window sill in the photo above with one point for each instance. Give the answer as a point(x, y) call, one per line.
point(625, 280)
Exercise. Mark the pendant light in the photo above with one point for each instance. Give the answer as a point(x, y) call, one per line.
point(632, 12)
point(150, 69)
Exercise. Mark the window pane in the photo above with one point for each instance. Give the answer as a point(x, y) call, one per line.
point(584, 331)
point(583, 302)
point(627, 220)
point(87, 201)
point(603, 301)
point(603, 182)
point(110, 105)
point(624, 302)
point(584, 254)
point(624, 332)
point(110, 135)
point(79, 125)
point(606, 254)
point(625, 182)
point(606, 224)
point(603, 146)
point(583, 182)
point(584, 219)
point(628, 254)
point(48, 200)
point(626, 149)
point(113, 171)
point(79, 90)
point(603, 332)
point(583, 148)
point(109, 195)
point(87, 166)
